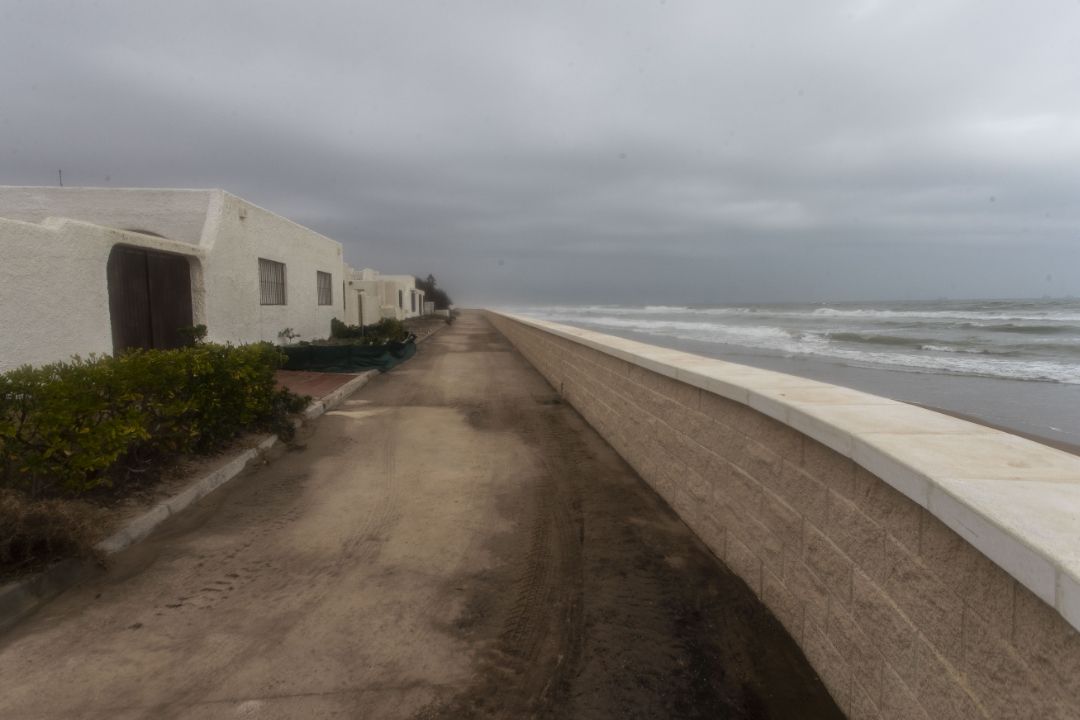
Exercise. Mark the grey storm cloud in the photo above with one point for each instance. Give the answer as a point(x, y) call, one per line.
point(596, 151)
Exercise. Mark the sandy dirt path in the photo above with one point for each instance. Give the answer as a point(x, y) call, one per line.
point(451, 542)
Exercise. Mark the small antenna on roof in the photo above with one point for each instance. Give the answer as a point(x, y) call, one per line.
point(61, 174)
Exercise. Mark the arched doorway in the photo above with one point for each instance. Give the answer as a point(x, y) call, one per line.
point(149, 298)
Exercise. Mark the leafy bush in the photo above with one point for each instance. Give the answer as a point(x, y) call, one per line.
point(70, 427)
point(385, 331)
point(193, 334)
point(288, 334)
point(390, 330)
point(341, 331)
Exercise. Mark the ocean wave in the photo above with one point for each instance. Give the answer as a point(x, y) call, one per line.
point(1030, 361)
point(974, 316)
point(877, 339)
point(981, 366)
point(996, 318)
point(968, 350)
point(687, 329)
point(1023, 329)
point(654, 310)
point(918, 343)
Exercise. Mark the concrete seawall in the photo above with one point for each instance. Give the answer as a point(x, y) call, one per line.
point(927, 566)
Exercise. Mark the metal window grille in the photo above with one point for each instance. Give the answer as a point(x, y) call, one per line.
point(326, 292)
point(271, 282)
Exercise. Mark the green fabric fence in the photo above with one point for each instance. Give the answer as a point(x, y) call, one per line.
point(348, 358)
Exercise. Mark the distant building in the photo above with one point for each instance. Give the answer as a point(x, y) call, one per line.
point(100, 270)
point(401, 299)
point(363, 297)
point(371, 296)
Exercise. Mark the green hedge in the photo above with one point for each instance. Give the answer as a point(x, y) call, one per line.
point(69, 427)
point(385, 331)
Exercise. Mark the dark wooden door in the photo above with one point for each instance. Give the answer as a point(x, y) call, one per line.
point(170, 298)
point(149, 298)
point(129, 299)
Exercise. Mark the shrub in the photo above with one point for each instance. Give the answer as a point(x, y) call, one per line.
point(341, 331)
point(390, 330)
point(193, 334)
point(70, 427)
point(288, 334)
point(34, 533)
point(385, 331)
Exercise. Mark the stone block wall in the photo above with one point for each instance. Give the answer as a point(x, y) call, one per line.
point(899, 615)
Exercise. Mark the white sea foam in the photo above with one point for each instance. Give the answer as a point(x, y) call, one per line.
point(939, 339)
point(948, 315)
point(967, 315)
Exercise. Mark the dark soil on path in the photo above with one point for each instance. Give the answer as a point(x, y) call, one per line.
point(607, 605)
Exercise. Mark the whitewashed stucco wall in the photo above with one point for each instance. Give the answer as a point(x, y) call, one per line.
point(174, 214)
point(381, 296)
point(237, 235)
point(365, 281)
point(54, 292)
point(54, 297)
point(391, 284)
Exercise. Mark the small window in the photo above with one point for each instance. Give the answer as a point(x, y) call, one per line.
point(401, 299)
point(271, 282)
point(326, 292)
point(412, 296)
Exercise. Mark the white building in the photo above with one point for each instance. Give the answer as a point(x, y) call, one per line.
point(98, 270)
point(363, 297)
point(401, 299)
point(371, 296)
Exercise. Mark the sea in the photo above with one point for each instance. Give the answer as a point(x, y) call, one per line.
point(1010, 363)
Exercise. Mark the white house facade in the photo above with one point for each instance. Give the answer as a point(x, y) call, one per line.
point(401, 298)
point(91, 270)
point(363, 297)
point(371, 296)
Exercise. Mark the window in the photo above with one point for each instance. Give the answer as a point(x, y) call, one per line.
point(326, 292)
point(271, 282)
point(401, 299)
point(412, 296)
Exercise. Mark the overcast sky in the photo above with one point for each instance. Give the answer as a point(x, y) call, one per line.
point(601, 151)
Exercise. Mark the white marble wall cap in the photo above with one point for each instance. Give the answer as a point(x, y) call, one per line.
point(836, 425)
point(824, 394)
point(990, 455)
point(1015, 500)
